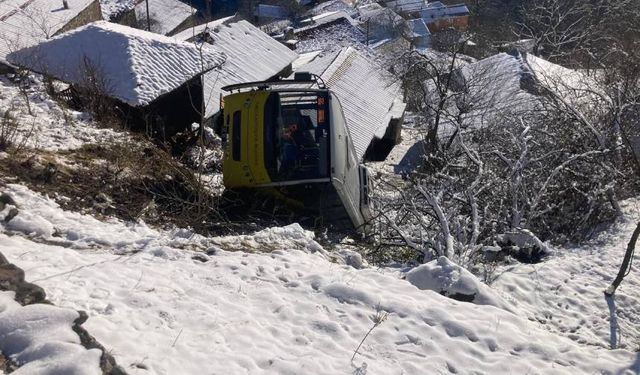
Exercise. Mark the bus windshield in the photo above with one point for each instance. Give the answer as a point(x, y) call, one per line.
point(296, 136)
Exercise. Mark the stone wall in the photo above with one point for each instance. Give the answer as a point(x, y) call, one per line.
point(89, 14)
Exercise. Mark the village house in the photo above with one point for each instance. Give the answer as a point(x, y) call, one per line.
point(25, 23)
point(379, 23)
point(167, 17)
point(329, 31)
point(420, 36)
point(439, 16)
point(436, 15)
point(371, 102)
point(250, 55)
point(154, 81)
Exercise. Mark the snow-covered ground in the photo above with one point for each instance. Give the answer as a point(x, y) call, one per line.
point(48, 126)
point(40, 337)
point(564, 294)
point(276, 302)
point(289, 310)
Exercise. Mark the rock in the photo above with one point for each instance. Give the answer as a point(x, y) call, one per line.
point(6, 365)
point(200, 258)
point(449, 279)
point(107, 362)
point(10, 276)
point(12, 213)
point(5, 199)
point(3, 260)
point(27, 294)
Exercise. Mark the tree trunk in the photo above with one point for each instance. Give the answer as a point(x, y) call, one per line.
point(625, 268)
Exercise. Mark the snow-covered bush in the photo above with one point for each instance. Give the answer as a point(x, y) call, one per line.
point(508, 146)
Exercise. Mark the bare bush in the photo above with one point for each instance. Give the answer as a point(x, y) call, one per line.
point(552, 166)
point(8, 130)
point(95, 89)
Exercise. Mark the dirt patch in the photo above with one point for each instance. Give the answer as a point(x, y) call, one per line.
point(130, 181)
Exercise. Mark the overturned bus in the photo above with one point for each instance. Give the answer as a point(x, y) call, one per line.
point(290, 137)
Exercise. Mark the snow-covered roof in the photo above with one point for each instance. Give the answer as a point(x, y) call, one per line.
point(418, 28)
point(166, 15)
point(111, 8)
point(251, 55)
point(24, 23)
point(138, 66)
point(330, 36)
point(439, 10)
point(380, 23)
point(509, 84)
point(331, 6)
point(407, 6)
point(368, 99)
point(324, 19)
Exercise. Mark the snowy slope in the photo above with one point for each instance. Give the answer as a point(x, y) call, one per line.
point(286, 311)
point(565, 293)
point(49, 126)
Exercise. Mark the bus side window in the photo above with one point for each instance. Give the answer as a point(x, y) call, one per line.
point(236, 143)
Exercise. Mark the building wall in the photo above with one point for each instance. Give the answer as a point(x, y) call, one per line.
point(193, 20)
point(459, 23)
point(89, 14)
point(127, 18)
point(172, 113)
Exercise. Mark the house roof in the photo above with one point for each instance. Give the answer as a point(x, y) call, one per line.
point(323, 19)
point(138, 66)
point(505, 84)
point(166, 15)
point(251, 55)
point(369, 100)
point(418, 28)
point(330, 31)
point(24, 23)
point(407, 6)
point(380, 23)
point(437, 10)
point(112, 8)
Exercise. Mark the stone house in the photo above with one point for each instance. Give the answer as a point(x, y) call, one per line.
point(25, 23)
point(154, 82)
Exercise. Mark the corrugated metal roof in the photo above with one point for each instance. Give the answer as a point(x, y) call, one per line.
point(439, 10)
point(166, 15)
point(407, 5)
point(418, 27)
point(24, 23)
point(137, 66)
point(251, 55)
point(369, 100)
